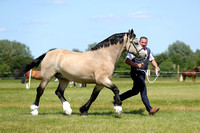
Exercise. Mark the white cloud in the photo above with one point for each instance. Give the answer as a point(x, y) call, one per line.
point(55, 3)
point(141, 14)
point(116, 18)
point(107, 18)
point(3, 29)
point(35, 21)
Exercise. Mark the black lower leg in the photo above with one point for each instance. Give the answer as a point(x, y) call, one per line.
point(86, 107)
point(117, 100)
point(40, 91)
point(60, 94)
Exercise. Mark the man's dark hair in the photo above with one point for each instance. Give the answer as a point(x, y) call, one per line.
point(143, 37)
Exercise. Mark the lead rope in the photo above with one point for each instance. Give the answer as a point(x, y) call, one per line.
point(157, 75)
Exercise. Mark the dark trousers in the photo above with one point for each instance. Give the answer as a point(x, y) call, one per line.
point(138, 86)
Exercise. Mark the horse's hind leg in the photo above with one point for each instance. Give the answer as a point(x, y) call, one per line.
point(184, 77)
point(40, 91)
point(60, 93)
point(193, 79)
point(84, 109)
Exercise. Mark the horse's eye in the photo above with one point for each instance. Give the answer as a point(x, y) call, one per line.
point(136, 43)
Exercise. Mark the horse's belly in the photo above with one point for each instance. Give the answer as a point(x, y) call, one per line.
point(77, 77)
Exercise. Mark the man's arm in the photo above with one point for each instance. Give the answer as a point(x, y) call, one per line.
point(132, 64)
point(154, 63)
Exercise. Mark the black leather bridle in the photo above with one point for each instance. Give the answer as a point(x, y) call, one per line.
point(134, 45)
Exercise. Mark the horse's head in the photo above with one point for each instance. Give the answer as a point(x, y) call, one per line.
point(134, 47)
point(197, 68)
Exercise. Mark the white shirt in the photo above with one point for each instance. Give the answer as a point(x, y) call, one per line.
point(131, 56)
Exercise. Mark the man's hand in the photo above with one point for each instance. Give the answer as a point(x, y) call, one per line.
point(157, 69)
point(132, 64)
point(139, 65)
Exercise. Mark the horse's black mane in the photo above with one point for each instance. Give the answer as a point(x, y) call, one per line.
point(114, 39)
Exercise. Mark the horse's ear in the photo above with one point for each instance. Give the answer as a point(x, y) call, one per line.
point(131, 33)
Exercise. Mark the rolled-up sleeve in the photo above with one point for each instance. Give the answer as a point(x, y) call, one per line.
point(130, 56)
point(151, 57)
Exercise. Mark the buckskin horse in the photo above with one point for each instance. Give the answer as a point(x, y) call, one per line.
point(95, 66)
point(190, 73)
point(36, 74)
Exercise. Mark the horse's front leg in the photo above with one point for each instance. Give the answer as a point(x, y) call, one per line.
point(117, 100)
point(118, 103)
point(84, 109)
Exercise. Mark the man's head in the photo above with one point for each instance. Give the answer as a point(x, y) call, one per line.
point(143, 41)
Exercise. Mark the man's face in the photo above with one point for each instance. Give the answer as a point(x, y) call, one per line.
point(143, 42)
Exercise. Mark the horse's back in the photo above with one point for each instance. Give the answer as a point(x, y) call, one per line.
point(72, 65)
point(189, 73)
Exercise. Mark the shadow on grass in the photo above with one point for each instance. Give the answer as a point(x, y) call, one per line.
point(109, 113)
point(136, 112)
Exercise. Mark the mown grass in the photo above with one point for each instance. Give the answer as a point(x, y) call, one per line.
point(179, 109)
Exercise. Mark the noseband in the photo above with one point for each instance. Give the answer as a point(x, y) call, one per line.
point(134, 45)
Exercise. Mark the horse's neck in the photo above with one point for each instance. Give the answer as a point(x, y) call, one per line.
point(112, 53)
point(195, 70)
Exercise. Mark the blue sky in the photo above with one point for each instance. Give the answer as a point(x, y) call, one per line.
point(69, 24)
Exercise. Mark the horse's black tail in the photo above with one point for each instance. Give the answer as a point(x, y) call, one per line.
point(23, 79)
point(29, 66)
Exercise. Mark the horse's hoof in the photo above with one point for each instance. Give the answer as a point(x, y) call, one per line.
point(118, 112)
point(67, 109)
point(118, 109)
point(34, 107)
point(84, 113)
point(34, 112)
point(68, 112)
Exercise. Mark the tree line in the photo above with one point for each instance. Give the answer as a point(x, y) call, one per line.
point(14, 55)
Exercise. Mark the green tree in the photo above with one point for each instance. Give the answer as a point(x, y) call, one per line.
point(76, 50)
point(161, 57)
point(4, 70)
point(182, 55)
point(90, 46)
point(166, 65)
point(13, 55)
point(197, 53)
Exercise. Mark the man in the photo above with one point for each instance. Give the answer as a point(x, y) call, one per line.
point(138, 76)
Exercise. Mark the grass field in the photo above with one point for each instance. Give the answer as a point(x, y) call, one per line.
point(179, 109)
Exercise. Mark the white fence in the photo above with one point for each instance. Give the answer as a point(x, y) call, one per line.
point(151, 73)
